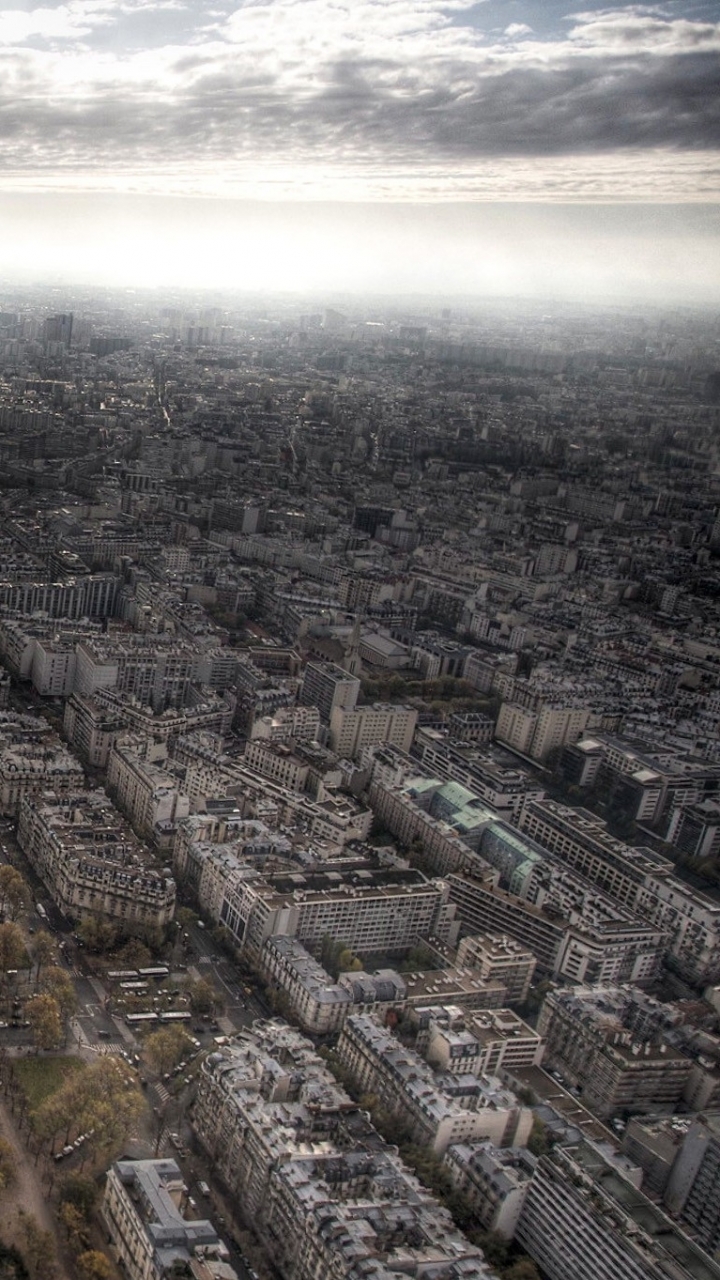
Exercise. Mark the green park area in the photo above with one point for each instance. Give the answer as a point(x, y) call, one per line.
point(39, 1078)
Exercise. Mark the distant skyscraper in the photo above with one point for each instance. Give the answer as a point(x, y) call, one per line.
point(58, 329)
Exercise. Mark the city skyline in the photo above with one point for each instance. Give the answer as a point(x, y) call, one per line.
point(503, 147)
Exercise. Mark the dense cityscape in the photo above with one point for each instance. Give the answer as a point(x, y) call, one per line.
point(359, 788)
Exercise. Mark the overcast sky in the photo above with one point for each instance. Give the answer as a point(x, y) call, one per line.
point(510, 146)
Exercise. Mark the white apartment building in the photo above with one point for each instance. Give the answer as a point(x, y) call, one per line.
point(494, 1180)
point(538, 733)
point(637, 878)
point(327, 686)
point(379, 724)
point(277, 761)
point(152, 799)
point(490, 1042)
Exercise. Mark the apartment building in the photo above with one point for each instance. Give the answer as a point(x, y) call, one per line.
point(500, 958)
point(483, 1043)
point(277, 761)
point(582, 1216)
point(33, 760)
point(438, 1110)
point(572, 930)
point(493, 1179)
point(89, 596)
point(353, 728)
point(327, 686)
point(144, 1210)
point(91, 863)
point(91, 729)
point(395, 805)
point(156, 670)
point(91, 724)
point(319, 1004)
point(692, 1189)
point(589, 1034)
point(320, 1187)
point(488, 771)
point(639, 879)
point(288, 724)
point(152, 798)
point(536, 733)
point(370, 911)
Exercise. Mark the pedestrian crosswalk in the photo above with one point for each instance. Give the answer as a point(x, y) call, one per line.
point(161, 1092)
point(113, 1047)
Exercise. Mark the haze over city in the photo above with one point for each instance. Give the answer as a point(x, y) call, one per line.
point(503, 148)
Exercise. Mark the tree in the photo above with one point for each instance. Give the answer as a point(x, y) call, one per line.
point(12, 1266)
point(105, 1098)
point(133, 954)
point(43, 951)
point(93, 1265)
point(203, 997)
point(12, 947)
point(79, 1191)
point(74, 1225)
point(14, 891)
point(539, 1141)
point(495, 1248)
point(57, 983)
point(8, 1165)
point(43, 1014)
point(523, 1269)
point(97, 935)
point(37, 1247)
point(347, 962)
point(165, 1048)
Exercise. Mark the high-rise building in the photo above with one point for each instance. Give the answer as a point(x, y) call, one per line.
point(583, 1216)
point(58, 328)
point(327, 686)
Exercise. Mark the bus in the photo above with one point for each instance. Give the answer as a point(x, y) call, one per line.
point(135, 988)
point(160, 971)
point(175, 1016)
point(122, 975)
point(140, 1019)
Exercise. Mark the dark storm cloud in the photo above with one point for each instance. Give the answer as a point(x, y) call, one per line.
point(368, 86)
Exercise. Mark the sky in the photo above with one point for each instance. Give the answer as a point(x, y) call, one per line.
point(475, 146)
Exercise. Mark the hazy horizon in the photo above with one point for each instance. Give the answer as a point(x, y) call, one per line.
point(654, 254)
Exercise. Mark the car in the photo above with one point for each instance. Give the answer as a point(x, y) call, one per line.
point(199, 1031)
point(68, 1150)
point(203, 1188)
point(59, 1155)
point(103, 1035)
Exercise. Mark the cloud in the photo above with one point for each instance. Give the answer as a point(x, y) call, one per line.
point(348, 95)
